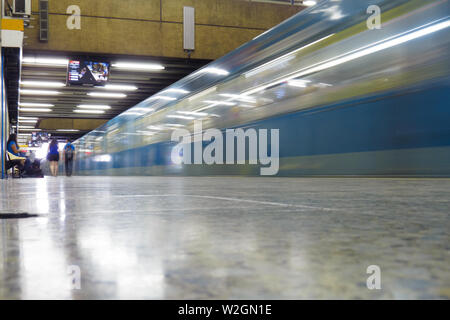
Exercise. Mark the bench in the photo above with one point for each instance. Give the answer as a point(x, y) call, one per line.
point(13, 163)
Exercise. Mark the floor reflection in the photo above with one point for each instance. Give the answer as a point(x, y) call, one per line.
point(226, 238)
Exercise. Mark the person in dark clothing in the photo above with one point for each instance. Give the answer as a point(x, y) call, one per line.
point(69, 156)
point(53, 157)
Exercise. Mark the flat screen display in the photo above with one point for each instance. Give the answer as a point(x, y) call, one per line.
point(87, 72)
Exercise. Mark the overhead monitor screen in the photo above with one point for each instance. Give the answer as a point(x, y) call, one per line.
point(87, 72)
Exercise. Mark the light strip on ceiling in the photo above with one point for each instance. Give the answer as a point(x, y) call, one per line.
point(28, 118)
point(45, 61)
point(89, 111)
point(309, 3)
point(119, 87)
point(39, 92)
point(107, 95)
point(35, 110)
point(88, 106)
point(138, 66)
point(29, 104)
point(42, 84)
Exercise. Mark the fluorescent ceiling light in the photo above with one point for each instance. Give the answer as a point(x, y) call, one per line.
point(180, 117)
point(299, 83)
point(28, 118)
point(138, 66)
point(309, 3)
point(35, 110)
point(29, 104)
point(176, 91)
point(27, 121)
point(88, 106)
point(360, 52)
point(89, 111)
point(119, 87)
point(43, 84)
point(26, 129)
point(107, 95)
point(38, 92)
point(45, 61)
point(67, 130)
point(216, 71)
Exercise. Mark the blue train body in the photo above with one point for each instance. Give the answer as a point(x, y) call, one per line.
point(346, 100)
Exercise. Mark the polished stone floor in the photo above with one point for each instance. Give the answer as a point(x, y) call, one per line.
point(224, 238)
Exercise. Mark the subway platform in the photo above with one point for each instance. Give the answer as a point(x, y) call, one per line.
point(225, 238)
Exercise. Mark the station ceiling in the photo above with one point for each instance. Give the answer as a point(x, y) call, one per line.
point(147, 82)
point(64, 104)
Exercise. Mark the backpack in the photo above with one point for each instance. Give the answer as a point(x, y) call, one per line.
point(69, 153)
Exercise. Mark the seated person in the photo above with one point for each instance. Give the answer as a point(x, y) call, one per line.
point(13, 148)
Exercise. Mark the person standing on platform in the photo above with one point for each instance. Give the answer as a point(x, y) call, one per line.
point(69, 156)
point(53, 157)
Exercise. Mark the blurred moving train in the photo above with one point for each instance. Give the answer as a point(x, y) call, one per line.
point(347, 99)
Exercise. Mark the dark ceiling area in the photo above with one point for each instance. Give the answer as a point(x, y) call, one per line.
point(63, 104)
point(148, 82)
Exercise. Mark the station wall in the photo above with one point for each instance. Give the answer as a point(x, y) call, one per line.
point(155, 27)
